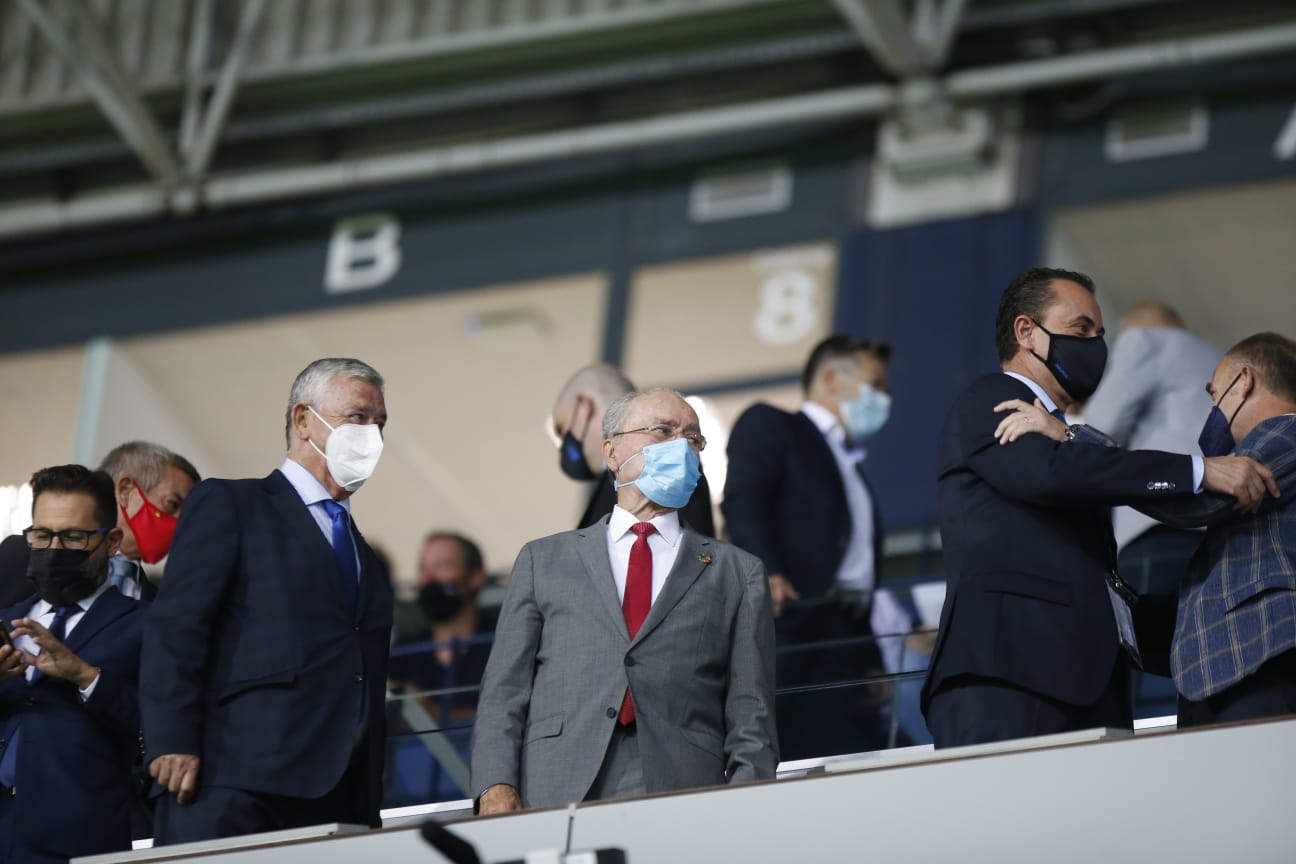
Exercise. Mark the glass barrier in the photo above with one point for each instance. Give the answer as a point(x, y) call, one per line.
point(837, 696)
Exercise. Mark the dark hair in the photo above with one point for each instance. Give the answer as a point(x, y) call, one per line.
point(839, 347)
point(1273, 357)
point(145, 462)
point(80, 480)
point(1029, 294)
point(471, 551)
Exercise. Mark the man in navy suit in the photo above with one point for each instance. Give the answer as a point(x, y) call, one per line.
point(265, 654)
point(69, 703)
point(1035, 616)
point(796, 497)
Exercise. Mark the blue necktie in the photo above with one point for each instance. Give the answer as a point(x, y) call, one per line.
point(344, 551)
point(12, 729)
point(1059, 414)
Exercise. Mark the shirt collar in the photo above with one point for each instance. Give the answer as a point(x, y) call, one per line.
point(824, 420)
point(1049, 405)
point(310, 489)
point(667, 524)
point(43, 606)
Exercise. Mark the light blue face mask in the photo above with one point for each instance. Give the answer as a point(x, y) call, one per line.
point(864, 415)
point(670, 473)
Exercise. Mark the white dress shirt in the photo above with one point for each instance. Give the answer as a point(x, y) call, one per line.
point(43, 614)
point(664, 545)
point(313, 495)
point(858, 570)
point(1199, 466)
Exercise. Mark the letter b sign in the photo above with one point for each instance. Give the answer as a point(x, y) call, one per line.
point(364, 252)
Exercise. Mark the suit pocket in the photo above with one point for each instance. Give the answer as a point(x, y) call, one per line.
point(705, 740)
point(1259, 585)
point(1028, 585)
point(271, 679)
point(545, 727)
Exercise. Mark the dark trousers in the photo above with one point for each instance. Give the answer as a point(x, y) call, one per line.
point(969, 709)
point(1270, 691)
point(221, 812)
point(1156, 564)
point(820, 717)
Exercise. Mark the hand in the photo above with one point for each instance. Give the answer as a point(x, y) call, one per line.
point(781, 591)
point(1026, 419)
point(1241, 477)
point(54, 659)
point(11, 663)
point(500, 798)
point(178, 773)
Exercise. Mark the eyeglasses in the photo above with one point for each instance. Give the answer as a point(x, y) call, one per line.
point(666, 433)
point(71, 538)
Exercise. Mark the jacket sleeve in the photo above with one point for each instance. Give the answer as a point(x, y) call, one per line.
point(505, 700)
point(753, 485)
point(180, 623)
point(114, 704)
point(1272, 447)
point(1042, 471)
point(751, 742)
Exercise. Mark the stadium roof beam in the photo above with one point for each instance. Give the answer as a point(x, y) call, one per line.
point(77, 36)
point(904, 47)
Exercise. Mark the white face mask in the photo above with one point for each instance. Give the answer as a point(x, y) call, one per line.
point(351, 451)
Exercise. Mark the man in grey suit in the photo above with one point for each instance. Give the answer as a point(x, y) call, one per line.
point(1151, 398)
point(634, 655)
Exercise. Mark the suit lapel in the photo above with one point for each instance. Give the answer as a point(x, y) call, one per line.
point(302, 527)
point(689, 564)
point(591, 545)
point(110, 606)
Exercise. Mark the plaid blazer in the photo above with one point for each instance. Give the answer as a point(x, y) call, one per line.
point(1241, 608)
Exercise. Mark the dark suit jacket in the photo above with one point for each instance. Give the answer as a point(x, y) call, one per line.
point(1028, 544)
point(252, 660)
point(696, 514)
point(784, 500)
point(73, 771)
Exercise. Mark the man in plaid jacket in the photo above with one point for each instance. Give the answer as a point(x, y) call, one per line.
point(1233, 654)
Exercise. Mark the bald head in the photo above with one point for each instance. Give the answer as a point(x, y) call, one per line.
point(1152, 313)
point(581, 404)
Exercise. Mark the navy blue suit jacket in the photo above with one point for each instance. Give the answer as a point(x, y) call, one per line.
point(252, 660)
point(73, 771)
point(784, 501)
point(1028, 543)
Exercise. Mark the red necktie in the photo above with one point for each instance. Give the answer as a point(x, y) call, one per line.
point(638, 598)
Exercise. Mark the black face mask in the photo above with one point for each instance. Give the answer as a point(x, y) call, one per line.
point(1077, 362)
point(571, 455)
point(440, 602)
point(64, 576)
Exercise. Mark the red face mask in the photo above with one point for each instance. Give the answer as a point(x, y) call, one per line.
point(153, 529)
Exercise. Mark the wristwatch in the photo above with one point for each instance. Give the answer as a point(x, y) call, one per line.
point(1071, 431)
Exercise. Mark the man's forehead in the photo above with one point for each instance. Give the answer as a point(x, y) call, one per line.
point(656, 407)
point(1072, 300)
point(59, 505)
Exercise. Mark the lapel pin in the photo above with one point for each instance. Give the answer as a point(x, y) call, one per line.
point(704, 558)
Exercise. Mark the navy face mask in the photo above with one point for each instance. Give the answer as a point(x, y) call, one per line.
point(1077, 362)
point(571, 455)
point(1216, 437)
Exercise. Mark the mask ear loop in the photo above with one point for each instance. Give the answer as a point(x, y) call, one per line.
point(617, 485)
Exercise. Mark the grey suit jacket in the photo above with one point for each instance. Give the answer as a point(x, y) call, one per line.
point(701, 670)
point(1153, 397)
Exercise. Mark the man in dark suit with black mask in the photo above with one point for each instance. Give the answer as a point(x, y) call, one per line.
point(1031, 634)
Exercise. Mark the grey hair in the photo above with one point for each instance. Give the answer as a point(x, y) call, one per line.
point(615, 415)
point(311, 382)
point(145, 462)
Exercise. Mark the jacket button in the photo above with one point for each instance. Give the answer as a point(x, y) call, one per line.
point(356, 628)
point(611, 712)
point(629, 661)
point(358, 679)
